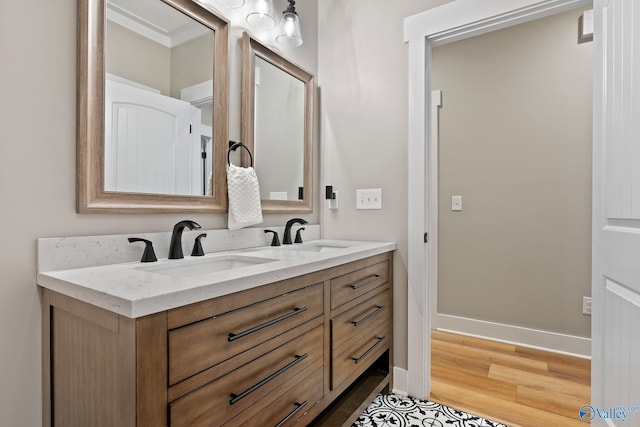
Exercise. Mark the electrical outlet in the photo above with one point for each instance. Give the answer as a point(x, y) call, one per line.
point(586, 305)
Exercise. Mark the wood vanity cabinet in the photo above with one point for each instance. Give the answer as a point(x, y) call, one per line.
point(313, 349)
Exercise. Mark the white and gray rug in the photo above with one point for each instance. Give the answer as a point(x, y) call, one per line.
point(390, 410)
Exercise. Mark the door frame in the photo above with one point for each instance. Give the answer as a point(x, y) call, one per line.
point(453, 21)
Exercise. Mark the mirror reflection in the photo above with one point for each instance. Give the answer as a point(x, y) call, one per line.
point(278, 132)
point(277, 126)
point(142, 51)
point(158, 100)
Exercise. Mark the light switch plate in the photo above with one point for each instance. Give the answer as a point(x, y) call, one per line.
point(586, 305)
point(369, 198)
point(456, 203)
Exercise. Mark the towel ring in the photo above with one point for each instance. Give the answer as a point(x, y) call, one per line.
point(233, 146)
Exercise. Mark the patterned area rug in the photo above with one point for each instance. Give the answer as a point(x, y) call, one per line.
point(390, 410)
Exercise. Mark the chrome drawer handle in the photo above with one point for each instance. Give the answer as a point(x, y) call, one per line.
point(366, 281)
point(299, 406)
point(233, 337)
point(368, 316)
point(358, 359)
point(237, 397)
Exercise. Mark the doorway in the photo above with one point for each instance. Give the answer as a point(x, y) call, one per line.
point(450, 23)
point(514, 184)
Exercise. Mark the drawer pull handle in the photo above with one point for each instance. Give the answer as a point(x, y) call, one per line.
point(233, 337)
point(237, 397)
point(358, 359)
point(368, 316)
point(366, 281)
point(299, 406)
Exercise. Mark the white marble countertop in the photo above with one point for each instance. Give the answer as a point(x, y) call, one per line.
point(135, 289)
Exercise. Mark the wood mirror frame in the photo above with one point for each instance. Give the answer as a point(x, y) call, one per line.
point(252, 48)
point(91, 196)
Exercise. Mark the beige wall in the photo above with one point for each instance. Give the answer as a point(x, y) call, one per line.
point(136, 58)
point(363, 82)
point(515, 143)
point(37, 176)
point(124, 58)
point(191, 63)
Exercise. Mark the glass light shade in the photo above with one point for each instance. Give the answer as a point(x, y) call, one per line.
point(231, 4)
point(289, 31)
point(261, 15)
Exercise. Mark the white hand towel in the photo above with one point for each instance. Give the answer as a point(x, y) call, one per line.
point(244, 197)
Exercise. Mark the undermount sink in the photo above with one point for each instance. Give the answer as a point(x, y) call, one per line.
point(319, 247)
point(201, 266)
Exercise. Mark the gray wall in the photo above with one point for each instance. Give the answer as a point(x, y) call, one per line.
point(37, 176)
point(515, 143)
point(363, 86)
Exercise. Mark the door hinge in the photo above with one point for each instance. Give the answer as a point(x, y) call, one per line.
point(426, 237)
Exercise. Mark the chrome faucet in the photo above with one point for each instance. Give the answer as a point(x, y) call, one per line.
point(287, 229)
point(175, 249)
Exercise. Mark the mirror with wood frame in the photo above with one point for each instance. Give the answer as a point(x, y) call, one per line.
point(277, 126)
point(152, 107)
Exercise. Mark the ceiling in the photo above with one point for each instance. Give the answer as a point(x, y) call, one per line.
point(155, 20)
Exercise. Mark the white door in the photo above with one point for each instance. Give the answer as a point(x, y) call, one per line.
point(616, 229)
point(152, 142)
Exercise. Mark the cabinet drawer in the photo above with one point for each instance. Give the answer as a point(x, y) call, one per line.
point(198, 346)
point(227, 397)
point(349, 286)
point(355, 355)
point(360, 320)
point(287, 407)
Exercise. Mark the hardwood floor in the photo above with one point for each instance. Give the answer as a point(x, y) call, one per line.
point(514, 385)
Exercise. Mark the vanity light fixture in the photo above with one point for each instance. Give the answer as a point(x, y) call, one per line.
point(261, 15)
point(289, 30)
point(230, 4)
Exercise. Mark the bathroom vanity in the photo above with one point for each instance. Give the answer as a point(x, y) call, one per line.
point(293, 335)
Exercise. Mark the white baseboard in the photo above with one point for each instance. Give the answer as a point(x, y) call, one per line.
point(400, 381)
point(525, 337)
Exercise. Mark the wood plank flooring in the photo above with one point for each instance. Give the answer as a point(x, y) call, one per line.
point(514, 385)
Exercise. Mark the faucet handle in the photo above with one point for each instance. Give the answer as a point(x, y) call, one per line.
point(276, 240)
point(298, 238)
point(149, 254)
point(197, 246)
